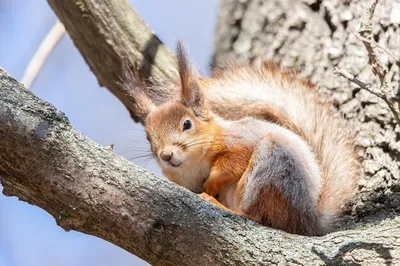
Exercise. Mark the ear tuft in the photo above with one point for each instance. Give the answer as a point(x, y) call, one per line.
point(132, 82)
point(184, 68)
point(191, 95)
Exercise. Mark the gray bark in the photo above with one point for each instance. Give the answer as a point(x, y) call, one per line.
point(85, 187)
point(316, 36)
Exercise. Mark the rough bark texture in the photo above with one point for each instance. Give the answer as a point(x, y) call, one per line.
point(316, 36)
point(46, 162)
point(108, 33)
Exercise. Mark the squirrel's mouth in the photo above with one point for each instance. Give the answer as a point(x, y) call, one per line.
point(173, 164)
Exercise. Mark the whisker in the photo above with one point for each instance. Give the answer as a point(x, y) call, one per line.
point(149, 157)
point(142, 156)
point(145, 164)
point(134, 129)
point(198, 144)
point(198, 141)
point(136, 150)
point(141, 141)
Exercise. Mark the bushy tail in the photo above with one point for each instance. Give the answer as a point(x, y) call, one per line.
point(267, 91)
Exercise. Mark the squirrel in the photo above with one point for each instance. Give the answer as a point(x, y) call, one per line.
point(253, 139)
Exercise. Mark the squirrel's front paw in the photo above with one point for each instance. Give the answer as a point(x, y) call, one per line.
point(207, 197)
point(211, 187)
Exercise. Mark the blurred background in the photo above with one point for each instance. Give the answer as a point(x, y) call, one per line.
point(28, 235)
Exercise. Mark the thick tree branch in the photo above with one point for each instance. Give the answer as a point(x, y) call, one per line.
point(46, 162)
point(109, 32)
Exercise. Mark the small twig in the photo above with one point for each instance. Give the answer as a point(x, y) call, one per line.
point(110, 147)
point(361, 84)
point(386, 51)
point(352, 78)
point(365, 31)
point(43, 52)
point(368, 87)
point(365, 34)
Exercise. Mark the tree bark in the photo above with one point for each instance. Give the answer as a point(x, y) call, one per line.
point(85, 187)
point(109, 33)
point(316, 36)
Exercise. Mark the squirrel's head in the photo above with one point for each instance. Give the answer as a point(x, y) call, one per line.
point(180, 132)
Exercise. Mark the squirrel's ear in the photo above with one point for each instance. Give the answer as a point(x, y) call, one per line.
point(131, 82)
point(191, 95)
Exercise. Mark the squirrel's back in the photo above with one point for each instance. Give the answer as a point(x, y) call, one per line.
point(266, 91)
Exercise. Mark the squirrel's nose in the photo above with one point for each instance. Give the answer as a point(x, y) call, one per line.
point(166, 155)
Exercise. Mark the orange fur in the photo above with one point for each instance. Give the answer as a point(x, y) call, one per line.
point(213, 200)
point(228, 168)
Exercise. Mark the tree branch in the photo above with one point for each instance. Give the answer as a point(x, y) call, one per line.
point(46, 47)
point(352, 78)
point(85, 187)
point(373, 43)
point(377, 92)
point(110, 32)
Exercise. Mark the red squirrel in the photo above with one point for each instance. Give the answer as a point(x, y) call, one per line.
point(254, 140)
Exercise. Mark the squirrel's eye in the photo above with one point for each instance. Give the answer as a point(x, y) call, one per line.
point(187, 125)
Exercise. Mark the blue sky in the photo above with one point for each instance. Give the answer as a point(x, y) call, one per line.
point(28, 235)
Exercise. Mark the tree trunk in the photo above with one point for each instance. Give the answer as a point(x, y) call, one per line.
point(316, 36)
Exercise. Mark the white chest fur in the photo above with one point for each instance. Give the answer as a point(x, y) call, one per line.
point(192, 174)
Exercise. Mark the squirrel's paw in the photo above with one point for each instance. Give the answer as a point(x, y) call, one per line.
point(211, 188)
point(207, 197)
